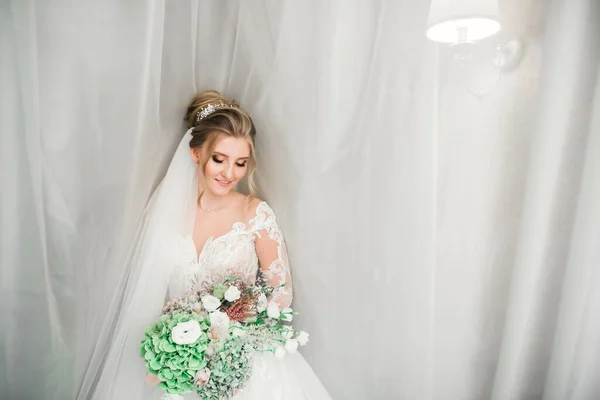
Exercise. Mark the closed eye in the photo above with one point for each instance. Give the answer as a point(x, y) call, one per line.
point(241, 165)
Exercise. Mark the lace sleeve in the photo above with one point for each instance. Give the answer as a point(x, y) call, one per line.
point(272, 254)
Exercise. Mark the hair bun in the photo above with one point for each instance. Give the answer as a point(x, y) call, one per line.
point(200, 101)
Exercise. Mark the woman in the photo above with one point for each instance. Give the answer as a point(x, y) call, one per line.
point(197, 231)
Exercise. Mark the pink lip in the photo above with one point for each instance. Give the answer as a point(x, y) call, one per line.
point(224, 184)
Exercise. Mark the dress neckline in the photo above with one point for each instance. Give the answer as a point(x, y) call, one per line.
point(235, 228)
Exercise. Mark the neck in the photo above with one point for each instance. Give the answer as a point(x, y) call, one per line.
point(212, 202)
point(209, 201)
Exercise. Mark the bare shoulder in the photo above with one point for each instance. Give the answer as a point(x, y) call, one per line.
point(253, 205)
point(258, 209)
point(240, 201)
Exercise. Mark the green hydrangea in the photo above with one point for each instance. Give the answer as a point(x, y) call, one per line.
point(215, 363)
point(174, 364)
point(230, 369)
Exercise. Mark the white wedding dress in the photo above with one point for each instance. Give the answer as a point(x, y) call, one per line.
point(235, 254)
point(163, 263)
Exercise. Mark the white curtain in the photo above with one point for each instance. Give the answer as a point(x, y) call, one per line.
point(445, 244)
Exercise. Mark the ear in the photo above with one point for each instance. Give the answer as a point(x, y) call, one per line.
point(195, 153)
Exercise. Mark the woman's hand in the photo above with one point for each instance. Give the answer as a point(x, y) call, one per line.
point(152, 380)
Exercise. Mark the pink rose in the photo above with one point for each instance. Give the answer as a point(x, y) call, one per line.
point(202, 376)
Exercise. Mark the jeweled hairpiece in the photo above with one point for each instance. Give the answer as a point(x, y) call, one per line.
point(209, 109)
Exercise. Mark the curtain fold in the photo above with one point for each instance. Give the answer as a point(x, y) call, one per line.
point(444, 243)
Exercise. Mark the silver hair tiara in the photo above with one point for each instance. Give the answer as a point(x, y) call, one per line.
point(209, 109)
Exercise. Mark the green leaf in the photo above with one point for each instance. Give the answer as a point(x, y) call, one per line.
point(177, 372)
point(183, 318)
point(162, 344)
point(162, 375)
point(171, 364)
point(194, 363)
point(154, 364)
point(169, 347)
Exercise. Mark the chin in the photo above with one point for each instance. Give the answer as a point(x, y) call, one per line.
point(219, 190)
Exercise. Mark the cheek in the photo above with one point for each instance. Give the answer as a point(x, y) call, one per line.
point(240, 173)
point(212, 169)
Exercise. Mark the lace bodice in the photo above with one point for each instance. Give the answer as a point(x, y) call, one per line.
point(244, 251)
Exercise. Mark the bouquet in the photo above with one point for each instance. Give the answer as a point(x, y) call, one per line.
point(204, 341)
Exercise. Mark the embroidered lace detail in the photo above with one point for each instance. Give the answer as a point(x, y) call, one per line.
point(235, 254)
point(277, 273)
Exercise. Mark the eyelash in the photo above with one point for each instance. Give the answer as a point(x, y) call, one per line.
point(215, 159)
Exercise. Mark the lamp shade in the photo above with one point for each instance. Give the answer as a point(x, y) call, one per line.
point(457, 21)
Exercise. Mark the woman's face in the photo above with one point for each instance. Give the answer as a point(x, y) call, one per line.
point(226, 166)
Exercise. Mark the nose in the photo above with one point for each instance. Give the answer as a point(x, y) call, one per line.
point(228, 172)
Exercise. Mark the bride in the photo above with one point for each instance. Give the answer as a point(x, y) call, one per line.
point(197, 230)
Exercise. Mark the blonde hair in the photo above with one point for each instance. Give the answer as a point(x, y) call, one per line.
point(227, 121)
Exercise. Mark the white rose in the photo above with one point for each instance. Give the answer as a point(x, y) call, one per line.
point(291, 345)
point(287, 332)
point(219, 320)
point(232, 294)
point(273, 310)
point(211, 303)
point(186, 332)
point(302, 338)
point(238, 332)
point(279, 352)
point(261, 305)
point(287, 315)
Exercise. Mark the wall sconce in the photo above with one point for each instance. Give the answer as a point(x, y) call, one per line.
point(462, 23)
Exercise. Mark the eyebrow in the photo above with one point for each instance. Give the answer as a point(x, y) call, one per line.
point(226, 156)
